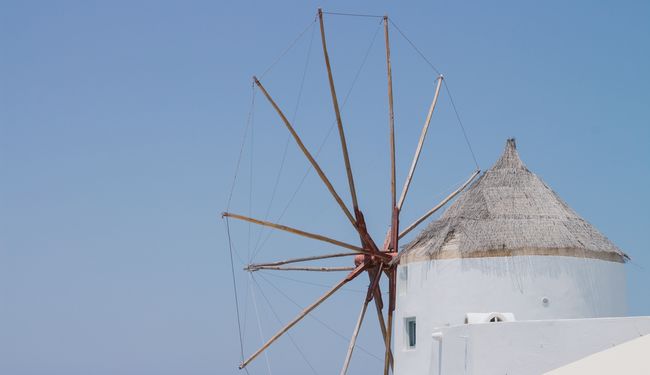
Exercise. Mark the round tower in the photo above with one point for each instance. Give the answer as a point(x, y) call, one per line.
point(507, 249)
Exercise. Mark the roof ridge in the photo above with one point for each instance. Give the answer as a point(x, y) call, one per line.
point(509, 158)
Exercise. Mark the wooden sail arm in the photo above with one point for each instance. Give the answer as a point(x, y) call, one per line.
point(371, 288)
point(353, 340)
point(391, 123)
point(380, 316)
point(360, 228)
point(391, 115)
point(313, 269)
point(366, 239)
point(418, 149)
point(439, 205)
point(303, 259)
point(388, 363)
point(379, 304)
point(337, 111)
point(298, 232)
point(307, 154)
point(357, 271)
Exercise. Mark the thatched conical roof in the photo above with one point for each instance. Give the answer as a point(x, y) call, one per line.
point(509, 211)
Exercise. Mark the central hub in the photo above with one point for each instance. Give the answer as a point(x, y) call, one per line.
point(371, 260)
point(361, 259)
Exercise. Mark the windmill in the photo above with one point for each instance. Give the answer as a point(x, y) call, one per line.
point(373, 258)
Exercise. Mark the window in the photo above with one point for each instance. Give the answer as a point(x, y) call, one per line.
point(409, 324)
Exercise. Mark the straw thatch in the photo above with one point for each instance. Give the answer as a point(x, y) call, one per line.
point(509, 211)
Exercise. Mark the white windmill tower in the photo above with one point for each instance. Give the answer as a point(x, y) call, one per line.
point(508, 250)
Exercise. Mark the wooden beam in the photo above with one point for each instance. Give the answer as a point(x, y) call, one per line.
point(379, 306)
point(339, 122)
point(388, 363)
point(314, 269)
point(439, 205)
point(357, 271)
point(304, 259)
point(298, 232)
point(391, 120)
point(374, 282)
point(418, 149)
point(307, 154)
point(353, 340)
point(382, 326)
point(380, 315)
point(391, 115)
point(360, 223)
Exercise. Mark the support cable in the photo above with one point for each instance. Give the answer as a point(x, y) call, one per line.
point(469, 146)
point(414, 47)
point(313, 316)
point(329, 132)
point(259, 327)
point(250, 179)
point(245, 311)
point(353, 14)
point(308, 282)
point(419, 52)
point(291, 45)
point(277, 317)
point(286, 144)
point(248, 125)
point(241, 149)
point(234, 285)
point(227, 223)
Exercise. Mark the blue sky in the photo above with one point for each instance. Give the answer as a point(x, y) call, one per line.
point(121, 122)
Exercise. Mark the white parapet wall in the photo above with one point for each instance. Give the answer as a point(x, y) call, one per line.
point(435, 294)
point(520, 348)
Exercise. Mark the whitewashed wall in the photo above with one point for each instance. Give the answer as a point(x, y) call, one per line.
point(440, 293)
point(520, 348)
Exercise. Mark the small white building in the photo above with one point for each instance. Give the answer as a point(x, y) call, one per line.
point(509, 280)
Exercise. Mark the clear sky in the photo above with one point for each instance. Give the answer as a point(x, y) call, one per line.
point(120, 128)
